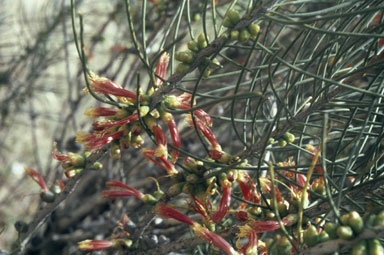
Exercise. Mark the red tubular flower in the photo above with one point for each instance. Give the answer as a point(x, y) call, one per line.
point(206, 131)
point(250, 248)
point(127, 192)
point(224, 202)
point(94, 142)
point(200, 208)
point(36, 177)
point(95, 244)
point(161, 140)
point(101, 125)
point(271, 225)
point(161, 68)
point(165, 164)
point(266, 187)
point(108, 87)
point(170, 121)
point(100, 111)
point(183, 102)
point(74, 159)
point(170, 213)
point(213, 238)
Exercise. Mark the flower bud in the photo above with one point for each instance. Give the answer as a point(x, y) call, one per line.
point(47, 196)
point(244, 35)
point(185, 56)
point(182, 68)
point(233, 15)
point(97, 166)
point(227, 22)
point(176, 189)
point(202, 41)
point(193, 46)
point(235, 35)
point(254, 30)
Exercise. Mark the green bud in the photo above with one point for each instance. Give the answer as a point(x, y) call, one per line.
point(379, 220)
point(47, 196)
point(149, 199)
point(176, 189)
point(185, 56)
point(202, 41)
point(97, 166)
point(227, 22)
point(355, 222)
point(375, 247)
point(361, 248)
point(345, 219)
point(271, 140)
point(244, 35)
point(225, 35)
point(193, 46)
point(207, 73)
point(215, 63)
point(323, 236)
point(233, 15)
point(254, 30)
point(289, 137)
point(311, 237)
point(196, 17)
point(331, 229)
point(188, 188)
point(345, 232)
point(235, 35)
point(192, 178)
point(282, 143)
point(182, 68)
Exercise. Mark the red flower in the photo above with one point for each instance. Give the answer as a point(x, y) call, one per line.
point(248, 190)
point(224, 202)
point(36, 177)
point(250, 248)
point(182, 102)
point(271, 225)
point(108, 87)
point(200, 208)
point(101, 125)
point(165, 164)
point(74, 159)
point(170, 121)
point(95, 142)
point(206, 131)
point(161, 68)
point(100, 111)
point(95, 244)
point(213, 238)
point(126, 191)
